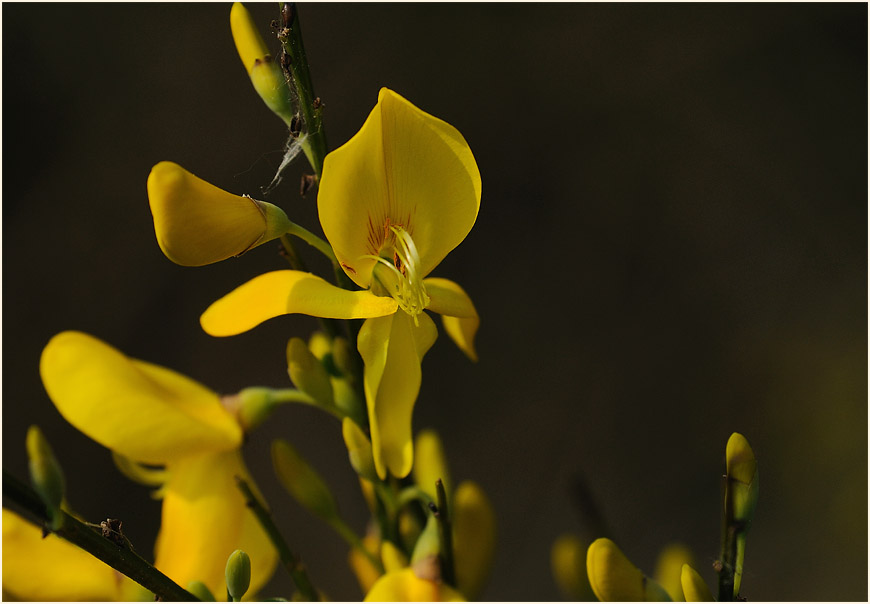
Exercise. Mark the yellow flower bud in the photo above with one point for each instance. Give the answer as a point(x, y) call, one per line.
point(359, 449)
point(238, 574)
point(430, 463)
point(197, 223)
point(742, 473)
point(308, 373)
point(568, 562)
point(669, 568)
point(45, 472)
point(265, 73)
point(615, 579)
point(320, 344)
point(303, 482)
point(693, 586)
point(474, 534)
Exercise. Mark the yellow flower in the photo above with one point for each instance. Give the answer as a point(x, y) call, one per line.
point(405, 586)
point(197, 223)
point(615, 579)
point(151, 415)
point(52, 569)
point(393, 202)
point(693, 586)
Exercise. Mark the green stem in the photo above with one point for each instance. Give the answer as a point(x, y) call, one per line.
point(316, 242)
point(445, 535)
point(291, 395)
point(120, 558)
point(291, 562)
point(295, 66)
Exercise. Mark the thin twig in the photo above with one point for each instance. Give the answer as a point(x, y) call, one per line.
point(290, 560)
point(122, 559)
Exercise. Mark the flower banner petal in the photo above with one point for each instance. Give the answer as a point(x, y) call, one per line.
point(205, 519)
point(283, 292)
point(197, 223)
point(142, 411)
point(403, 168)
point(392, 348)
point(458, 314)
point(52, 569)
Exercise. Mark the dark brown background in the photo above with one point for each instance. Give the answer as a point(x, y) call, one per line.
point(671, 247)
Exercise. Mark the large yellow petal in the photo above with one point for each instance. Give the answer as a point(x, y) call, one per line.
point(205, 520)
point(53, 569)
point(404, 586)
point(404, 167)
point(197, 223)
point(392, 348)
point(457, 311)
point(142, 411)
point(283, 292)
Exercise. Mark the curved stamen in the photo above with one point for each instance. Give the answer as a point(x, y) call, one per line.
point(405, 283)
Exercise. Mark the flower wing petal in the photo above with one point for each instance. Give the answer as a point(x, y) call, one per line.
point(142, 411)
point(404, 167)
point(205, 519)
point(459, 317)
point(392, 348)
point(283, 292)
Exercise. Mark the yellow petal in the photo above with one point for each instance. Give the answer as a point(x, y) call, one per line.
point(392, 348)
point(430, 463)
point(615, 579)
point(53, 569)
point(205, 519)
point(568, 562)
point(142, 411)
point(403, 168)
point(669, 568)
point(362, 567)
point(392, 557)
point(473, 538)
point(197, 223)
point(457, 312)
point(693, 586)
point(283, 292)
point(404, 586)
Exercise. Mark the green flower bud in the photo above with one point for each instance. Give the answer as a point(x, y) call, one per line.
point(303, 482)
point(45, 472)
point(199, 589)
point(238, 574)
point(359, 449)
point(428, 544)
point(320, 344)
point(308, 373)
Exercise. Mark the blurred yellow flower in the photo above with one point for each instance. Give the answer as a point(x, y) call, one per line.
point(152, 415)
point(393, 202)
point(405, 586)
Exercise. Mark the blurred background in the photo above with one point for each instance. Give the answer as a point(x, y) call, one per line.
point(671, 246)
